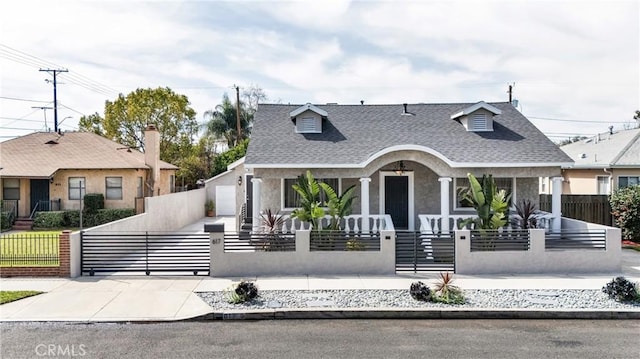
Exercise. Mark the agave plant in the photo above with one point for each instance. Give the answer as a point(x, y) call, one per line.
point(490, 204)
point(242, 292)
point(310, 208)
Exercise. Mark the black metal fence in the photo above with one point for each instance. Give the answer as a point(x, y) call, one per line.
point(424, 252)
point(492, 240)
point(563, 240)
point(343, 241)
point(29, 250)
point(248, 242)
point(145, 252)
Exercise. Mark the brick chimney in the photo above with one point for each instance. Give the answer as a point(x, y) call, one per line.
point(152, 159)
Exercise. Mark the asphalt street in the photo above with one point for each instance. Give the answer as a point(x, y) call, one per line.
point(326, 339)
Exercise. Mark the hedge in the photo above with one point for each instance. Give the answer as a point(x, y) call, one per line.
point(62, 219)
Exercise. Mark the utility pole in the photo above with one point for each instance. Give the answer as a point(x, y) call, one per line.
point(55, 96)
point(44, 109)
point(239, 129)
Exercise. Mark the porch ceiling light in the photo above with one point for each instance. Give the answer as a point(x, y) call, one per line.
point(400, 168)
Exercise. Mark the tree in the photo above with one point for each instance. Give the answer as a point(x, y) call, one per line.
point(126, 118)
point(226, 158)
point(222, 122)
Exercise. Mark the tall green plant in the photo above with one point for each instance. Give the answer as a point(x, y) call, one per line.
point(490, 204)
point(310, 208)
point(338, 206)
point(625, 208)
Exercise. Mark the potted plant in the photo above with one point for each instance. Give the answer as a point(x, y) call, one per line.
point(210, 207)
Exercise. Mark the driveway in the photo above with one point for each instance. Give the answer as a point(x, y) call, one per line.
point(631, 263)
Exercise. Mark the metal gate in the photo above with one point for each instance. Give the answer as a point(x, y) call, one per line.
point(424, 252)
point(145, 252)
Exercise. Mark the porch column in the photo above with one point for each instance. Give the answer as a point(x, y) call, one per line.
point(556, 207)
point(444, 203)
point(364, 203)
point(257, 202)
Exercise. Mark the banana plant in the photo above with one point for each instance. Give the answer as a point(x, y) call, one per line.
point(310, 208)
point(338, 206)
point(491, 205)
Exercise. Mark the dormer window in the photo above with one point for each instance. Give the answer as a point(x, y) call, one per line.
point(308, 118)
point(478, 117)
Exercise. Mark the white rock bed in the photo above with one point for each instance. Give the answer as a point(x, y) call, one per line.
point(480, 298)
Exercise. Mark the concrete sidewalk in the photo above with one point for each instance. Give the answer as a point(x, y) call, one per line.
point(157, 298)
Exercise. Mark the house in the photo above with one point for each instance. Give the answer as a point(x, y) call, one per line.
point(406, 160)
point(53, 171)
point(604, 162)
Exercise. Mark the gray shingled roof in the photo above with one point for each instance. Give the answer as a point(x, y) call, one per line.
point(36, 155)
point(620, 149)
point(353, 133)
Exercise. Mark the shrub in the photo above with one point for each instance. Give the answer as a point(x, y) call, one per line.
point(5, 220)
point(242, 292)
point(420, 291)
point(53, 219)
point(622, 290)
point(625, 208)
point(93, 202)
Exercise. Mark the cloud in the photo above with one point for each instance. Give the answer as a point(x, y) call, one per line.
point(569, 60)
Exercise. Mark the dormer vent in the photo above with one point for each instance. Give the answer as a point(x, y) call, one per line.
point(477, 117)
point(308, 118)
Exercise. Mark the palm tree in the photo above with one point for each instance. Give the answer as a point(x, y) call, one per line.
point(222, 122)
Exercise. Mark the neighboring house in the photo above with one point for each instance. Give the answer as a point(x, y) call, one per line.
point(603, 163)
point(405, 160)
point(51, 171)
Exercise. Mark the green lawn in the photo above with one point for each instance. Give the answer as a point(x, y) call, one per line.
point(7, 296)
point(29, 248)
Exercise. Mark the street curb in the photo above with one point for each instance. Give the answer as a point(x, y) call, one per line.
point(403, 313)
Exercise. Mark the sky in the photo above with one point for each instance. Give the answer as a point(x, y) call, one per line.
point(574, 65)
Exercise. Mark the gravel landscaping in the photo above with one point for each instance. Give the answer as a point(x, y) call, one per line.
point(483, 299)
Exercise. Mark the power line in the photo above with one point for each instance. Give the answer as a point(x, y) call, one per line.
point(74, 78)
point(20, 99)
point(581, 121)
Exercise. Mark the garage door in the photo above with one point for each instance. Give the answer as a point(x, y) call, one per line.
point(225, 200)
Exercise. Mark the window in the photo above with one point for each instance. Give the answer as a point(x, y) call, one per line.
point(462, 184)
point(627, 181)
point(603, 184)
point(77, 187)
point(113, 187)
point(292, 198)
point(11, 188)
point(172, 183)
point(139, 193)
